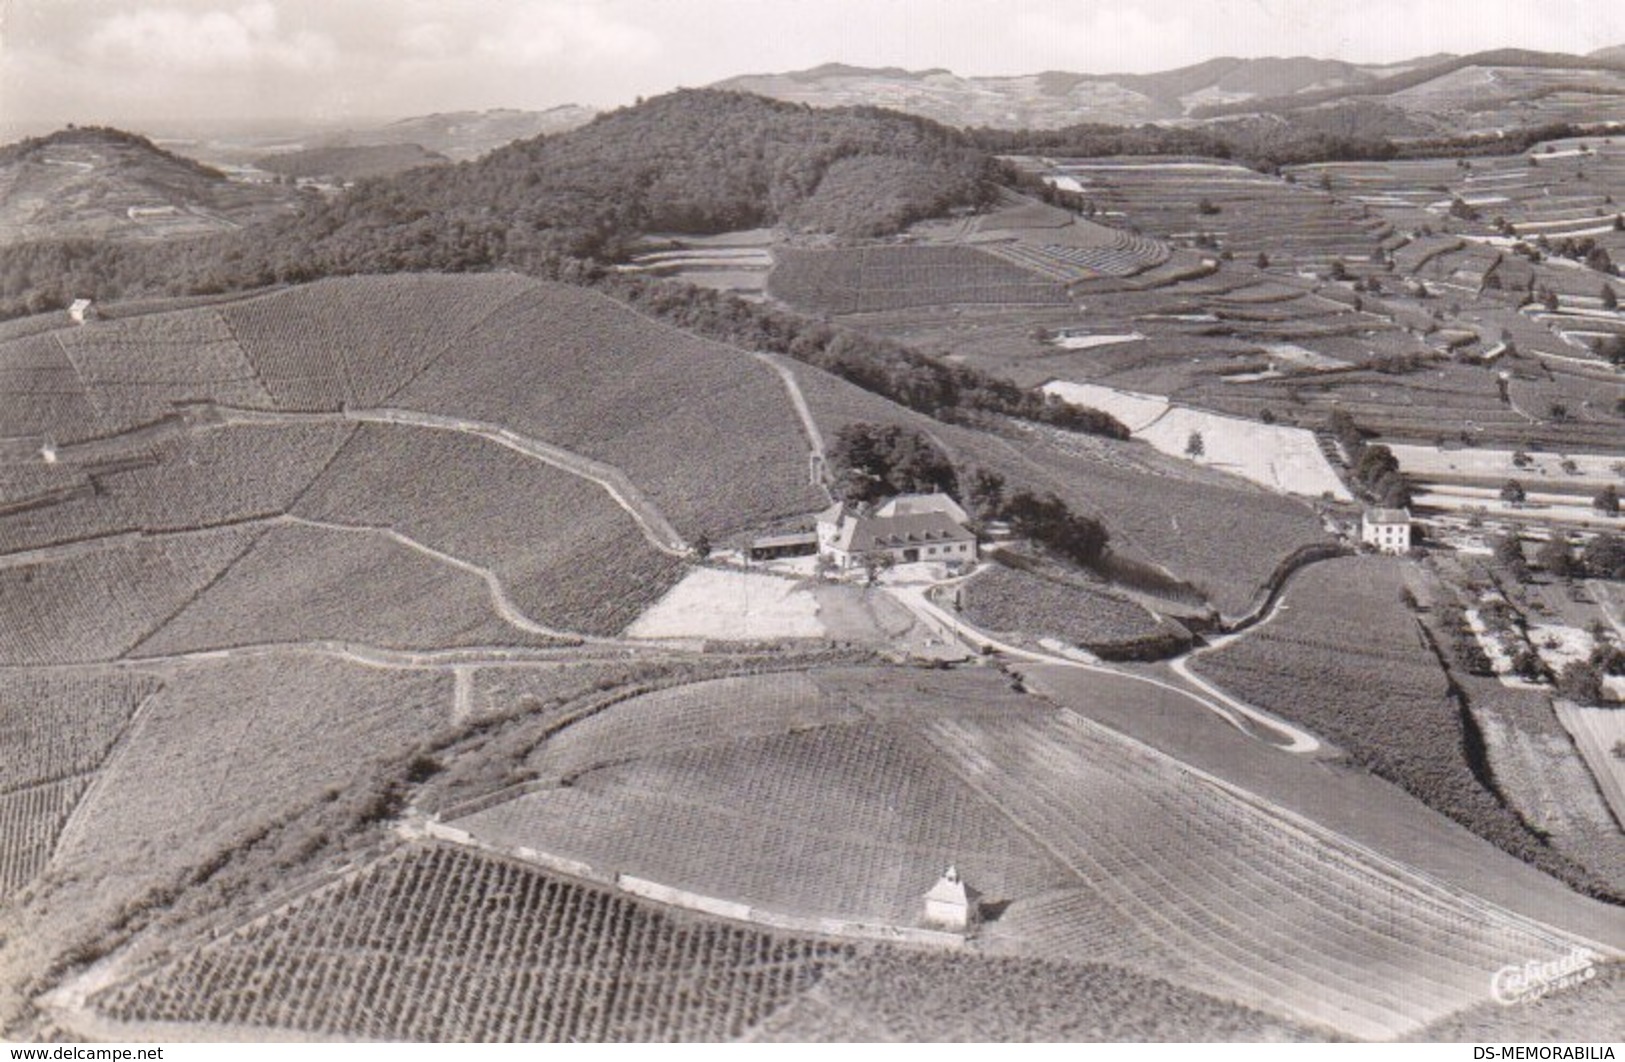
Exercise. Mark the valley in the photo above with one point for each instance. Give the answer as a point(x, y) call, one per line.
point(739, 570)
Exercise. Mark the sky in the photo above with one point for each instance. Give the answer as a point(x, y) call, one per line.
point(151, 63)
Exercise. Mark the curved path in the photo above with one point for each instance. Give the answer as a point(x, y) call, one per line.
point(915, 597)
point(654, 525)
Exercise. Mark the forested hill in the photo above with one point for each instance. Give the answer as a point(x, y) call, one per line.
point(693, 161)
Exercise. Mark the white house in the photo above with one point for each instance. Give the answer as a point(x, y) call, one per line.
point(907, 529)
point(951, 904)
point(82, 310)
point(1388, 530)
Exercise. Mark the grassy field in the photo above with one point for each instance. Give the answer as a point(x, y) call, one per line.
point(1288, 460)
point(872, 779)
point(446, 945)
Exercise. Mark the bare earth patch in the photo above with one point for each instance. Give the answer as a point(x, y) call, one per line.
point(733, 606)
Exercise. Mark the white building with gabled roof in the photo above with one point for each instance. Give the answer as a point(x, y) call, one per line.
point(81, 311)
point(1386, 530)
point(951, 904)
point(908, 529)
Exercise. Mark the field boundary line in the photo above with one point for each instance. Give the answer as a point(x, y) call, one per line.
point(500, 305)
point(74, 822)
point(90, 392)
point(225, 569)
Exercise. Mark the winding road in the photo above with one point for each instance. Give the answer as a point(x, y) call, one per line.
point(916, 598)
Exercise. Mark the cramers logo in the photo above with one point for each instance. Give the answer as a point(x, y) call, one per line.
point(1536, 979)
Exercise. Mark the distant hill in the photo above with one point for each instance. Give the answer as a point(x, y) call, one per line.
point(1512, 88)
point(461, 135)
point(1054, 98)
point(109, 184)
point(1546, 71)
point(351, 163)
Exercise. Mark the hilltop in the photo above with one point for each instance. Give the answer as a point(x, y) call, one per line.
point(113, 185)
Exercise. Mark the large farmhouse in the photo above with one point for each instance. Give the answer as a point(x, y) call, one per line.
point(909, 528)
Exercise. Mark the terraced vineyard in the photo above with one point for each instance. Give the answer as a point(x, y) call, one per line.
point(1247, 211)
point(55, 730)
point(435, 488)
point(100, 602)
point(303, 583)
point(30, 819)
point(227, 751)
point(1053, 817)
point(135, 369)
point(447, 945)
point(1311, 931)
point(171, 480)
point(867, 279)
point(705, 431)
point(359, 340)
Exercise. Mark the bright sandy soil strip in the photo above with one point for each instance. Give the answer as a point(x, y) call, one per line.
point(1283, 459)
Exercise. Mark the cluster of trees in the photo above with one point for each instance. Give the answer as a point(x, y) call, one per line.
point(906, 376)
point(1583, 249)
point(1584, 680)
point(876, 461)
point(1375, 468)
point(1602, 557)
point(1352, 131)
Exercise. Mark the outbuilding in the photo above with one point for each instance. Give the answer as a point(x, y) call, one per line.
point(951, 904)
